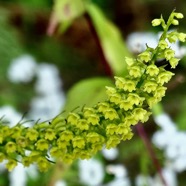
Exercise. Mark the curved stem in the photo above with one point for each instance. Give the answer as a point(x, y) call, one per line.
point(148, 145)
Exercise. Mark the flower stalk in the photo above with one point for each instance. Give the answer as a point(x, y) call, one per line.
point(82, 134)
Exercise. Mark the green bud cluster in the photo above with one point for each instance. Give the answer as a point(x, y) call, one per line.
point(106, 124)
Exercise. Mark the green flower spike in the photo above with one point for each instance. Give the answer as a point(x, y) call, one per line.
point(82, 134)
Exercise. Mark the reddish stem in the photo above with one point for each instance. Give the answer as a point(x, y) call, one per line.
point(107, 68)
point(148, 145)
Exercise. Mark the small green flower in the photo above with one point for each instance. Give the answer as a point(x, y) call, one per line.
point(135, 71)
point(56, 152)
point(175, 22)
point(43, 164)
point(129, 85)
point(129, 61)
point(34, 155)
point(172, 36)
point(163, 44)
point(68, 158)
point(73, 118)
point(169, 53)
point(182, 37)
point(178, 15)
point(164, 77)
point(130, 120)
point(66, 135)
point(156, 22)
point(88, 111)
point(111, 129)
point(160, 92)
point(22, 142)
point(32, 134)
point(95, 147)
point(115, 98)
point(10, 147)
point(139, 113)
point(82, 124)
point(145, 56)
point(42, 145)
point(93, 119)
point(127, 136)
point(174, 62)
point(6, 131)
point(152, 101)
point(113, 141)
point(149, 86)
point(126, 105)
point(93, 137)
point(122, 129)
point(26, 161)
point(119, 82)
point(152, 70)
point(110, 114)
point(62, 144)
point(134, 98)
point(78, 142)
point(16, 132)
point(50, 134)
point(11, 164)
point(102, 106)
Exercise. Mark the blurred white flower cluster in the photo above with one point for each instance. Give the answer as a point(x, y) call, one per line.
point(171, 140)
point(137, 42)
point(168, 174)
point(50, 97)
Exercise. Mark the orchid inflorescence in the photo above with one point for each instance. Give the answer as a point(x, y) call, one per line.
point(106, 124)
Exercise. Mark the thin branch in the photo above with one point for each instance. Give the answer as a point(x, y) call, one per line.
point(107, 68)
point(151, 152)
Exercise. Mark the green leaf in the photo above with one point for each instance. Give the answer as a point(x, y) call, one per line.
point(87, 92)
point(65, 11)
point(112, 42)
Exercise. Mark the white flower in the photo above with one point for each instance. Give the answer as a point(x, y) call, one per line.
point(22, 69)
point(110, 154)
point(51, 98)
point(18, 176)
point(120, 173)
point(60, 183)
point(142, 180)
point(10, 114)
point(179, 164)
point(137, 41)
point(169, 175)
point(117, 170)
point(165, 122)
point(91, 172)
point(48, 80)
